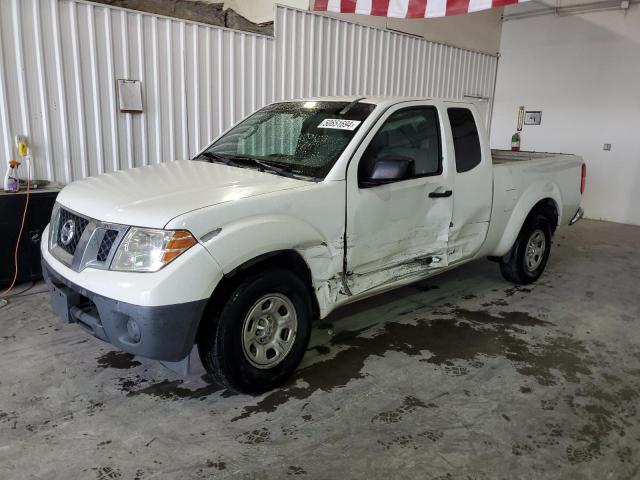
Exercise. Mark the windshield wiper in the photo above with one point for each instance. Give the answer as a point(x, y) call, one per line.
point(215, 157)
point(242, 160)
point(234, 159)
point(280, 169)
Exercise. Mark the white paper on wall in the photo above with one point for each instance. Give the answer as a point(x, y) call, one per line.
point(130, 95)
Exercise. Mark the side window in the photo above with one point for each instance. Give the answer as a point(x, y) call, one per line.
point(466, 142)
point(412, 133)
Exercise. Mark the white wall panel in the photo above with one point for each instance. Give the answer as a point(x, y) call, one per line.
point(60, 59)
point(587, 88)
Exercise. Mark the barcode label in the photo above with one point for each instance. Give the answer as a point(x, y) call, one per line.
point(339, 124)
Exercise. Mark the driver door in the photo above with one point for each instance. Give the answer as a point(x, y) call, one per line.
point(398, 231)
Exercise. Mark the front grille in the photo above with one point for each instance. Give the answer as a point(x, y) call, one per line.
point(100, 240)
point(106, 244)
point(74, 223)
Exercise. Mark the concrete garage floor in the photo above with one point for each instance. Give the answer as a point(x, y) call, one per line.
point(459, 377)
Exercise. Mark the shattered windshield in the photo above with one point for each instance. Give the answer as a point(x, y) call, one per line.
point(291, 138)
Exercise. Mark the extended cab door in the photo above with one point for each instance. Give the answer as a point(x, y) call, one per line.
point(472, 181)
point(398, 231)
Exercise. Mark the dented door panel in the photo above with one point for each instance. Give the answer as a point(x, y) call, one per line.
point(395, 232)
point(466, 240)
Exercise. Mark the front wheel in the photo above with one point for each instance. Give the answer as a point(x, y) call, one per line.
point(261, 333)
point(528, 257)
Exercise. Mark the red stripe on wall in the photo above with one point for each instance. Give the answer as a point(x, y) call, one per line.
point(379, 8)
point(416, 8)
point(320, 5)
point(456, 7)
point(347, 6)
point(502, 3)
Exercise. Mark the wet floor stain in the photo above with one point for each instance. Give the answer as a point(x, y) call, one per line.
point(106, 473)
point(94, 407)
point(408, 406)
point(500, 302)
point(219, 465)
point(465, 336)
point(457, 340)
point(603, 412)
point(119, 360)
point(295, 470)
point(505, 319)
point(321, 349)
point(254, 437)
point(424, 287)
point(410, 441)
point(600, 416)
point(510, 292)
point(173, 390)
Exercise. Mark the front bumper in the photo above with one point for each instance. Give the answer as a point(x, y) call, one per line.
point(166, 332)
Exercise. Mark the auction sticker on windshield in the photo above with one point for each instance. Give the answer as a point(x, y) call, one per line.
point(339, 124)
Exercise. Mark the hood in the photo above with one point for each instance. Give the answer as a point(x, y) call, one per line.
point(151, 196)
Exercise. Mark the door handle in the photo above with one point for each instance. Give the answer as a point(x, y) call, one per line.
point(440, 194)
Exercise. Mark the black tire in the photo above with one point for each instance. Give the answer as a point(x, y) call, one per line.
point(515, 266)
point(221, 346)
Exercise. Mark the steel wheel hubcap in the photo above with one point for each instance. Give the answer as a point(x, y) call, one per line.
point(269, 330)
point(534, 253)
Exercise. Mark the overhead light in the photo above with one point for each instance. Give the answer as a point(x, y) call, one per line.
point(310, 104)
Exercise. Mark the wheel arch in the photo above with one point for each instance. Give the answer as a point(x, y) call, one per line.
point(549, 208)
point(548, 204)
point(289, 259)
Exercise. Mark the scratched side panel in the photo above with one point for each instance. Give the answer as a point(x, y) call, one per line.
point(395, 232)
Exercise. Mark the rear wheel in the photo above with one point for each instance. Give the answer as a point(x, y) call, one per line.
point(260, 334)
point(528, 257)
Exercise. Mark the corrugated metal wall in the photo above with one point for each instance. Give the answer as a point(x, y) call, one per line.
point(320, 55)
point(59, 61)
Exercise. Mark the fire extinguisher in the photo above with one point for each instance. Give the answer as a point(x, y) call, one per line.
point(515, 142)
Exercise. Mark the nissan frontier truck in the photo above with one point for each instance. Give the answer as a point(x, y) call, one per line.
point(300, 208)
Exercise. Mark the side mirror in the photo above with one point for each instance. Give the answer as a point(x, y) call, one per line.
point(389, 169)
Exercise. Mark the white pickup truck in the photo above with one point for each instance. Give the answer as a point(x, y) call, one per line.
point(302, 207)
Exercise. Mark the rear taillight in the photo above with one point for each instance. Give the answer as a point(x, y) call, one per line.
point(583, 178)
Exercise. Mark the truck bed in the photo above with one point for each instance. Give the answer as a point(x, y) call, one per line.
point(518, 180)
point(500, 157)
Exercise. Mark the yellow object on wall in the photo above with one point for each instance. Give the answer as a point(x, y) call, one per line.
point(22, 146)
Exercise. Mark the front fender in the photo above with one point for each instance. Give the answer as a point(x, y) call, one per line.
point(532, 195)
point(249, 238)
point(245, 239)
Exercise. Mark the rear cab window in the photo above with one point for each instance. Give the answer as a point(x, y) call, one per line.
point(466, 141)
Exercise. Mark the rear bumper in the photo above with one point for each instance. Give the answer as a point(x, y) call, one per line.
point(165, 332)
point(577, 216)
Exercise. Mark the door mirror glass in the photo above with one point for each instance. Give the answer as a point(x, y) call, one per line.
point(389, 169)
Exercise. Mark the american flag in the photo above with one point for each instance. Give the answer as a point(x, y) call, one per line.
point(409, 8)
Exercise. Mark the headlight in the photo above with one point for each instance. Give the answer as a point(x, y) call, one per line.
point(148, 250)
point(53, 225)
